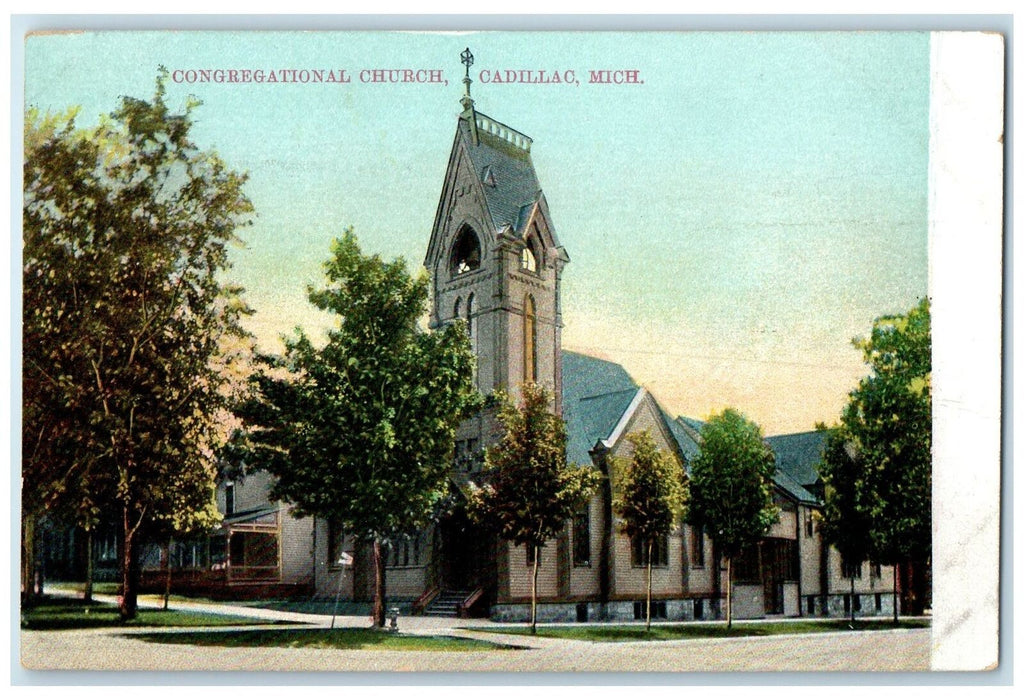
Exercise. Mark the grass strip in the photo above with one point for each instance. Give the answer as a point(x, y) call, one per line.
point(343, 638)
point(662, 632)
point(70, 613)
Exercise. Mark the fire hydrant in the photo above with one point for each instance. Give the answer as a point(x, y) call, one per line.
point(393, 618)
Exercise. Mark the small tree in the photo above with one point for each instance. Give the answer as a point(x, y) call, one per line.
point(651, 497)
point(886, 435)
point(846, 521)
point(531, 490)
point(361, 431)
point(731, 491)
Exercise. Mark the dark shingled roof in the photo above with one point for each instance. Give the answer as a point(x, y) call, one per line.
point(692, 423)
point(595, 394)
point(796, 458)
point(786, 483)
point(799, 455)
point(516, 185)
point(796, 462)
point(686, 435)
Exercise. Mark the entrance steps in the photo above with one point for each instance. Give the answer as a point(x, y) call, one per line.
point(446, 603)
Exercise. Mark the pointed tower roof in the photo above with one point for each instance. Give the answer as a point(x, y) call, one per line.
point(501, 160)
point(502, 172)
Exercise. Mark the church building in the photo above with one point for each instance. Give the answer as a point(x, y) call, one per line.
point(495, 261)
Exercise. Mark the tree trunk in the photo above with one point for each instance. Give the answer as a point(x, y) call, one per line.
point(533, 590)
point(650, 547)
point(167, 575)
point(895, 594)
point(28, 560)
point(87, 594)
point(129, 600)
point(853, 599)
point(379, 586)
point(728, 592)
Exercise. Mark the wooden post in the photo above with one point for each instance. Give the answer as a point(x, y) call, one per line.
point(533, 590)
point(650, 562)
point(87, 596)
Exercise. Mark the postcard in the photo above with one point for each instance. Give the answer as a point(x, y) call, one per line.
point(511, 351)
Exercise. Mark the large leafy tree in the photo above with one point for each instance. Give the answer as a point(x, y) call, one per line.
point(530, 489)
point(360, 430)
point(651, 496)
point(886, 435)
point(731, 490)
point(127, 319)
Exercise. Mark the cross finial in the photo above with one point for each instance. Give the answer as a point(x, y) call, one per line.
point(467, 60)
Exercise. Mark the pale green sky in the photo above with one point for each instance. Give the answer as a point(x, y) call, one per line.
point(732, 222)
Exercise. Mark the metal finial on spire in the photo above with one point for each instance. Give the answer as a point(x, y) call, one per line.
point(467, 60)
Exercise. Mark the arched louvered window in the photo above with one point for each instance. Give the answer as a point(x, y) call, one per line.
point(530, 255)
point(465, 252)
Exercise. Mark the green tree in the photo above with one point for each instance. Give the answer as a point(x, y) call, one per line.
point(361, 431)
point(127, 320)
point(886, 432)
point(651, 496)
point(846, 514)
point(731, 488)
point(530, 489)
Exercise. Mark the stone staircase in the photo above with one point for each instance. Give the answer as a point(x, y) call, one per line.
point(446, 603)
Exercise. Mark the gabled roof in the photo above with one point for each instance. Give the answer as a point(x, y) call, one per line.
point(798, 455)
point(796, 463)
point(785, 482)
point(686, 435)
point(595, 395)
point(598, 394)
point(509, 166)
point(598, 399)
point(691, 423)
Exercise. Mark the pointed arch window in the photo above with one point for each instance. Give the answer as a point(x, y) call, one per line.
point(529, 260)
point(465, 252)
point(531, 256)
point(529, 340)
point(457, 309)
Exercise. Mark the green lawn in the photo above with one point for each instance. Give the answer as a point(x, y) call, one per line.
point(72, 613)
point(344, 638)
point(321, 606)
point(662, 632)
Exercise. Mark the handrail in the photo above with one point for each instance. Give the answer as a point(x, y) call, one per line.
point(469, 602)
point(424, 600)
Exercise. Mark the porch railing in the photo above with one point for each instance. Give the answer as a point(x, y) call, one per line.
point(467, 605)
point(253, 573)
point(424, 600)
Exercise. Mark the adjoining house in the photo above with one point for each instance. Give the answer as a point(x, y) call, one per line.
point(495, 261)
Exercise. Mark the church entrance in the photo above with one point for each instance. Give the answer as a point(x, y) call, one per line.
point(465, 556)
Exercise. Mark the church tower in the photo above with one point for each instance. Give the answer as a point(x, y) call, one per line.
point(494, 258)
point(494, 262)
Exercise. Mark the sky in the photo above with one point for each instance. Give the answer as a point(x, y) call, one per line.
point(733, 221)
